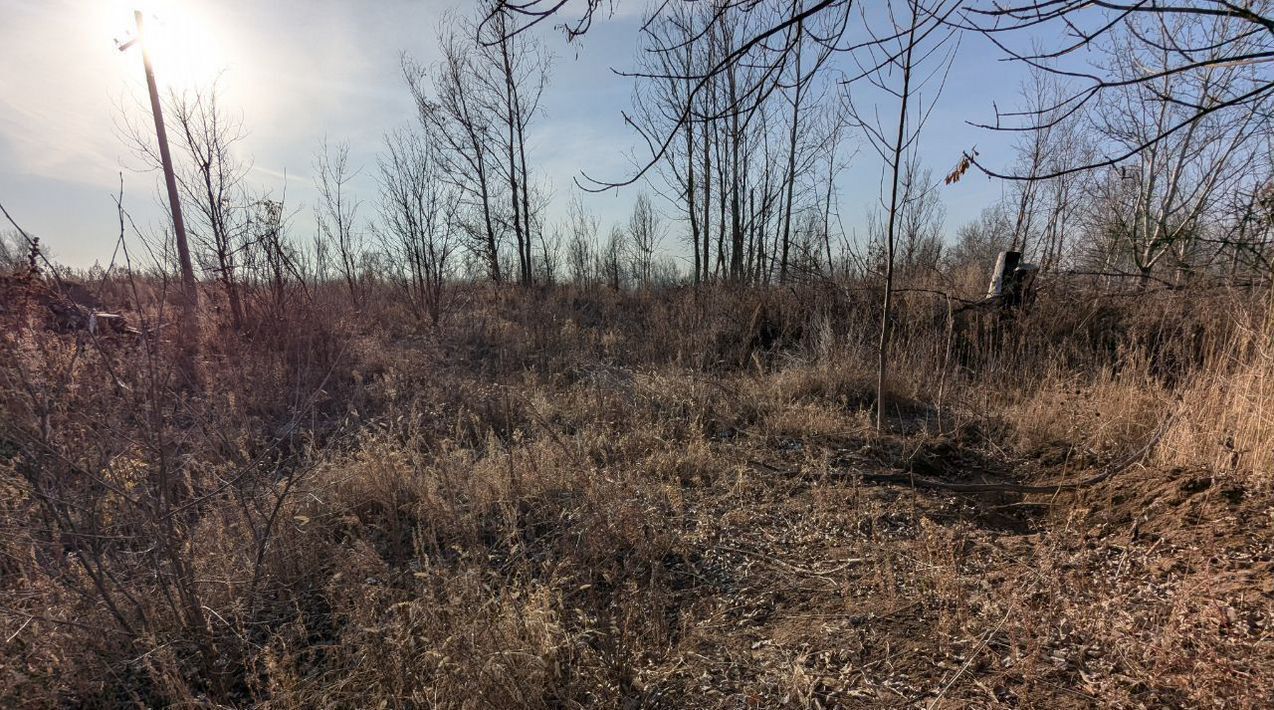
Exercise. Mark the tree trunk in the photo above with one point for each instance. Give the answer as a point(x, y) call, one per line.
point(882, 359)
point(791, 159)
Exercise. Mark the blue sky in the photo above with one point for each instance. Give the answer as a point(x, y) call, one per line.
point(300, 70)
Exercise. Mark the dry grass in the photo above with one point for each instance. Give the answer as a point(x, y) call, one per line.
point(1227, 423)
point(580, 498)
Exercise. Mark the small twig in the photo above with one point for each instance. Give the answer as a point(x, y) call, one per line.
point(14, 635)
point(57, 622)
point(845, 564)
point(977, 651)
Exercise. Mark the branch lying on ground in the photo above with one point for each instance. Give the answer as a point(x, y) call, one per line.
point(903, 478)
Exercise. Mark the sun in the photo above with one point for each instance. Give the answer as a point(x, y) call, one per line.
point(180, 39)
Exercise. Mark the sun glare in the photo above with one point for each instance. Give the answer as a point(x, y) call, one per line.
point(179, 37)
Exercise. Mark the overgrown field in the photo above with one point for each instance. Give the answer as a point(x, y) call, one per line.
point(575, 497)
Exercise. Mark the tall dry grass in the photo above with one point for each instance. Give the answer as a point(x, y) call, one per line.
point(363, 510)
point(1225, 423)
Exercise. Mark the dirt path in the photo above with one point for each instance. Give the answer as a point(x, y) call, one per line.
point(808, 593)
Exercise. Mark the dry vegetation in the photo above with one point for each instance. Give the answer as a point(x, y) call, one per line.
point(576, 497)
point(455, 447)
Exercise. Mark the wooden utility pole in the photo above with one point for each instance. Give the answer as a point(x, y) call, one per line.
point(190, 295)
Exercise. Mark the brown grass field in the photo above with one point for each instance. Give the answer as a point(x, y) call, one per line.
point(573, 497)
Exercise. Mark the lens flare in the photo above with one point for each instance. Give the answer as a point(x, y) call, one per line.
point(179, 36)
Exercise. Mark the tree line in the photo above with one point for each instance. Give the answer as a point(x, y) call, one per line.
point(747, 115)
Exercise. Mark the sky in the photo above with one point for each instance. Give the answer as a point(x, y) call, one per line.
point(300, 71)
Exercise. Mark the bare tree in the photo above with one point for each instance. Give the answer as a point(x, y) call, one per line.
point(610, 259)
point(13, 252)
point(1183, 36)
point(188, 345)
point(458, 115)
point(803, 142)
point(1155, 206)
point(548, 267)
point(1243, 36)
point(1032, 149)
point(834, 130)
point(581, 228)
point(418, 217)
point(549, 264)
point(270, 256)
point(978, 242)
point(1245, 235)
point(919, 224)
point(1060, 201)
point(337, 210)
point(211, 177)
point(513, 74)
point(645, 232)
point(757, 39)
point(1038, 213)
point(670, 51)
point(914, 59)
